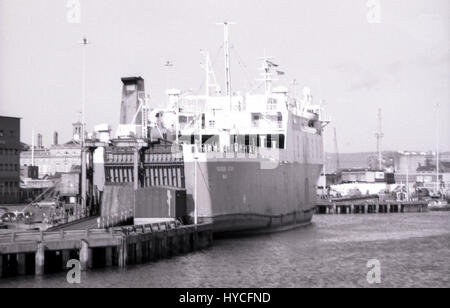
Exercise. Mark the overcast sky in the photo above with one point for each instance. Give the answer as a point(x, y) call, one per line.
point(352, 57)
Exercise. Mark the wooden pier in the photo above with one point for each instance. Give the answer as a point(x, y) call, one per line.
point(370, 207)
point(39, 253)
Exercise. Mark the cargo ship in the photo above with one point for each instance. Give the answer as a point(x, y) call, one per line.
point(248, 162)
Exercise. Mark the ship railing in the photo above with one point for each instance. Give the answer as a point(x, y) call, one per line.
point(235, 148)
point(251, 150)
point(32, 236)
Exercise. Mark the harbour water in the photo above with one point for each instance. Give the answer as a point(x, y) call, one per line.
point(413, 250)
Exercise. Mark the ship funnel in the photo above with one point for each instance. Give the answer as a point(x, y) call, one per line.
point(55, 138)
point(39, 142)
point(133, 90)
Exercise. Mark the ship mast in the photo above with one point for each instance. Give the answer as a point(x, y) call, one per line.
point(32, 148)
point(437, 149)
point(268, 65)
point(210, 80)
point(380, 136)
point(226, 32)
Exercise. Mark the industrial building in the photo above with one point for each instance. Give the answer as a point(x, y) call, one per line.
point(426, 176)
point(10, 147)
point(58, 158)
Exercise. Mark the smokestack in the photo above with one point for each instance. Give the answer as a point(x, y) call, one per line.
point(55, 138)
point(77, 131)
point(39, 141)
point(133, 89)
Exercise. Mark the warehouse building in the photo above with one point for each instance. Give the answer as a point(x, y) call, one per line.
point(10, 147)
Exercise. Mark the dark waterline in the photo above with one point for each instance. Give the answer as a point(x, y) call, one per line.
point(414, 251)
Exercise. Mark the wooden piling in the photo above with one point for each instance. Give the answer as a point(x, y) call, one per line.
point(124, 246)
point(65, 256)
point(21, 264)
point(122, 253)
point(108, 256)
point(85, 256)
point(40, 260)
point(1, 265)
point(138, 251)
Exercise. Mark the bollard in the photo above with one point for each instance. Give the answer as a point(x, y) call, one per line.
point(40, 259)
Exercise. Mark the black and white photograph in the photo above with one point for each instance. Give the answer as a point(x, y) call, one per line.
point(223, 150)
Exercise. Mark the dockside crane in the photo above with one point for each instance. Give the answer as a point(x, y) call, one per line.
point(379, 135)
point(336, 150)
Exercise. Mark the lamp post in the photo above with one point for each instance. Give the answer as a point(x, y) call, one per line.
point(407, 176)
point(84, 42)
point(438, 187)
point(195, 188)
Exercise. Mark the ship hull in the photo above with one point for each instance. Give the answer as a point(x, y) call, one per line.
point(246, 196)
point(248, 224)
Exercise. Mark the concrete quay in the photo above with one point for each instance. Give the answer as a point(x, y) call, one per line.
point(39, 253)
point(370, 207)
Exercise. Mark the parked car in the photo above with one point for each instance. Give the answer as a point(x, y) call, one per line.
point(354, 192)
point(3, 211)
point(9, 217)
point(26, 217)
